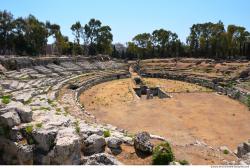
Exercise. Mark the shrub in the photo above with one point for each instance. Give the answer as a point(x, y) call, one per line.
point(183, 162)
point(248, 101)
point(77, 128)
point(50, 101)
point(6, 99)
point(39, 125)
point(225, 152)
point(29, 129)
point(106, 133)
point(162, 154)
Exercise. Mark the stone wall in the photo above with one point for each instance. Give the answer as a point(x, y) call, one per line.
point(232, 92)
point(92, 82)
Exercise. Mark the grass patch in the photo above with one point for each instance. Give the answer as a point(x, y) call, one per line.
point(58, 110)
point(50, 101)
point(29, 129)
point(248, 101)
point(44, 108)
point(106, 133)
point(42, 99)
point(28, 101)
point(6, 99)
point(66, 111)
point(162, 154)
point(39, 125)
point(77, 127)
point(225, 151)
point(183, 162)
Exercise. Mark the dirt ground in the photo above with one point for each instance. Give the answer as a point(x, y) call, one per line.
point(183, 119)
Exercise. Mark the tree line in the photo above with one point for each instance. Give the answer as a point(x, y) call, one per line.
point(209, 40)
point(29, 36)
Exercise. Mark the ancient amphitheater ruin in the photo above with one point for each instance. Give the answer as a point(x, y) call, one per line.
point(82, 110)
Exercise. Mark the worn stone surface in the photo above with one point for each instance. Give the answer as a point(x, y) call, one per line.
point(102, 159)
point(113, 142)
point(24, 111)
point(45, 138)
point(25, 154)
point(94, 144)
point(142, 143)
point(67, 149)
point(10, 118)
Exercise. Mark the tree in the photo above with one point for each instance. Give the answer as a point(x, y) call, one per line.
point(143, 43)
point(77, 32)
point(36, 35)
point(104, 40)
point(6, 27)
point(90, 35)
point(97, 38)
point(19, 33)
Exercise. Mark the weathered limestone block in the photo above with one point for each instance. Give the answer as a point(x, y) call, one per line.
point(102, 159)
point(94, 144)
point(25, 154)
point(24, 96)
point(246, 146)
point(10, 118)
point(89, 130)
point(45, 138)
point(142, 143)
point(41, 159)
point(67, 149)
point(113, 142)
point(15, 134)
point(24, 111)
point(9, 148)
point(241, 150)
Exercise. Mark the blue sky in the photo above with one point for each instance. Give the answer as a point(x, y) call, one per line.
point(130, 17)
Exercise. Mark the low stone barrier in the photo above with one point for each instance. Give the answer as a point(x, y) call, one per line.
point(95, 81)
point(232, 92)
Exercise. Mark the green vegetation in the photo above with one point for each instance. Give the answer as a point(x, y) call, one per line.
point(50, 101)
point(225, 151)
point(44, 108)
point(28, 101)
point(183, 162)
point(248, 101)
point(77, 127)
point(6, 99)
point(162, 154)
point(106, 133)
point(29, 36)
point(29, 129)
point(39, 125)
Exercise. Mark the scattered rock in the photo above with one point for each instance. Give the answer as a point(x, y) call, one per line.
point(45, 138)
point(25, 154)
point(114, 145)
point(67, 149)
point(113, 142)
point(102, 159)
point(142, 143)
point(23, 111)
point(94, 144)
point(10, 118)
point(40, 159)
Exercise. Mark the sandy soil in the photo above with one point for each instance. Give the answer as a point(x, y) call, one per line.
point(186, 117)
